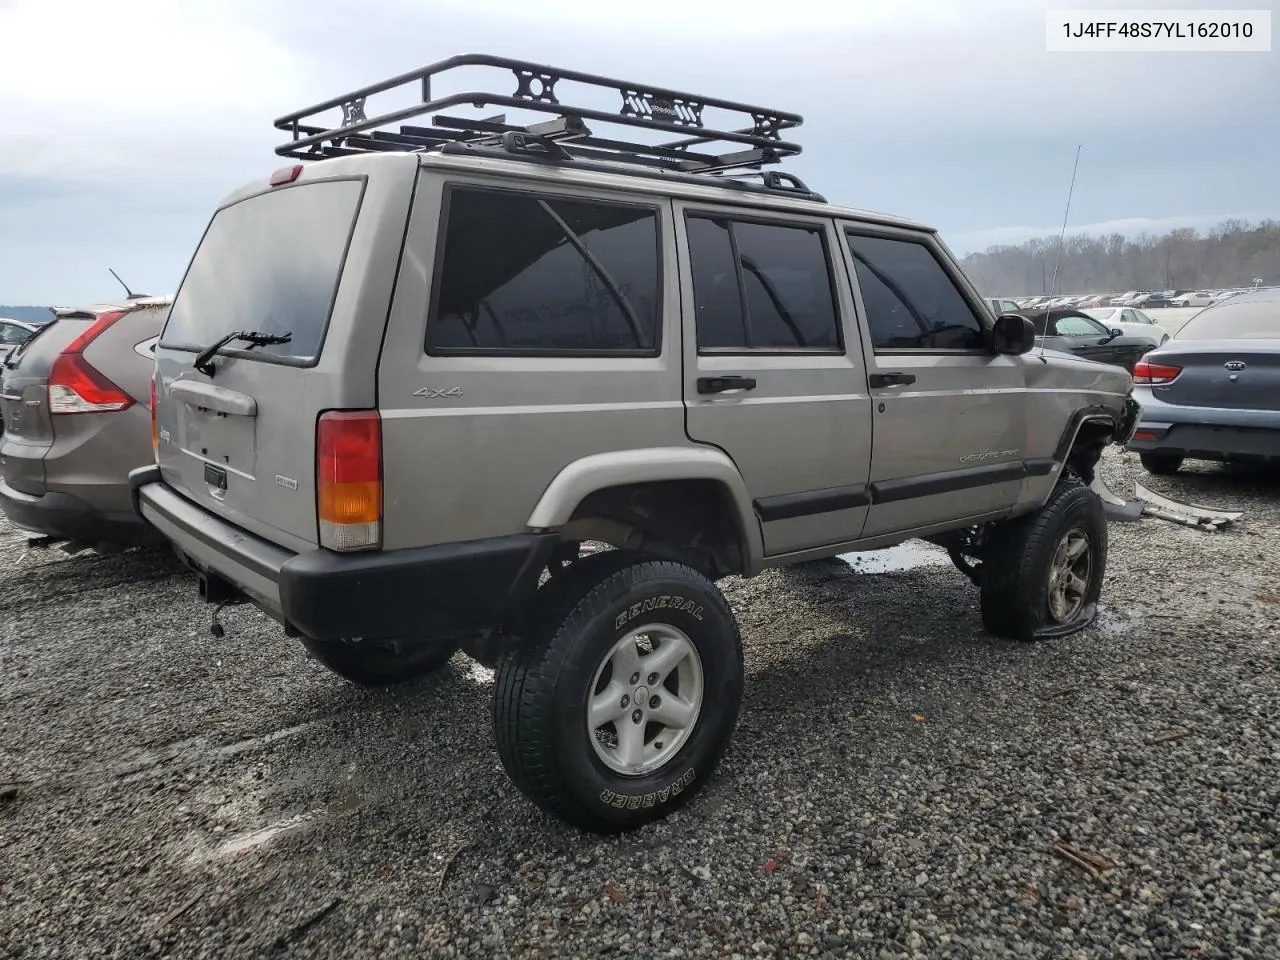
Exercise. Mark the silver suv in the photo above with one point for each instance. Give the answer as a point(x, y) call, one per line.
point(400, 386)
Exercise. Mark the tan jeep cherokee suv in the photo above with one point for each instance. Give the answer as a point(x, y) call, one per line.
point(402, 383)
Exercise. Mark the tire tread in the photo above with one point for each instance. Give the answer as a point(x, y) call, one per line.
point(526, 736)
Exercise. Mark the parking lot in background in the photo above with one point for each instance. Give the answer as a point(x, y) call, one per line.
point(900, 784)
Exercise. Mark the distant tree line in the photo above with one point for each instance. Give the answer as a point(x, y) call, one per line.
point(1232, 254)
point(26, 314)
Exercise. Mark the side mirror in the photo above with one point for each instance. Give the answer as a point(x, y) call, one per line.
point(1013, 334)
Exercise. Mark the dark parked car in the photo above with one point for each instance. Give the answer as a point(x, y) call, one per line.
point(1072, 331)
point(75, 398)
point(1213, 391)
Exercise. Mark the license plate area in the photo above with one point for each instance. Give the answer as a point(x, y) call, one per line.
point(225, 443)
point(215, 476)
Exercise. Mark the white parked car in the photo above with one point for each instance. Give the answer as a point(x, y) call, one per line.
point(1132, 321)
point(1201, 298)
point(13, 333)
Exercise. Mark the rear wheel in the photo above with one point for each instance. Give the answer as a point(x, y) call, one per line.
point(1042, 574)
point(623, 693)
point(381, 663)
point(1162, 464)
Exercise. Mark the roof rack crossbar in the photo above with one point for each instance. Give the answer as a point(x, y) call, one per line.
point(652, 108)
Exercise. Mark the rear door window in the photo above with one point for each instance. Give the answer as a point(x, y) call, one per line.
point(271, 264)
point(527, 274)
point(761, 286)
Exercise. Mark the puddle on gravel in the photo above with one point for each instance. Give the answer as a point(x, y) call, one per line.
point(905, 556)
point(1110, 624)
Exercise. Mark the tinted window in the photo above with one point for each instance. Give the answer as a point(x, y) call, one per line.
point(716, 294)
point(546, 274)
point(910, 300)
point(761, 286)
point(1235, 320)
point(271, 264)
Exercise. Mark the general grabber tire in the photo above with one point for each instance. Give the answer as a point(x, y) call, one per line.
point(621, 696)
point(1042, 573)
point(372, 663)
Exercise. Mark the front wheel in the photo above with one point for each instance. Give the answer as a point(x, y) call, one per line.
point(374, 663)
point(1043, 573)
point(620, 699)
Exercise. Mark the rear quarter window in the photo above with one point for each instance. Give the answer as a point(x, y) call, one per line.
point(522, 273)
point(269, 263)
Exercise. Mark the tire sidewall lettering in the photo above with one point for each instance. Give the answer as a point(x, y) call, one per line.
point(672, 602)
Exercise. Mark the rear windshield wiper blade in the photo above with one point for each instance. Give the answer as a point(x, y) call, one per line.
point(204, 362)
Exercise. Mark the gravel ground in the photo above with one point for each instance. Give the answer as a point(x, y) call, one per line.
point(895, 787)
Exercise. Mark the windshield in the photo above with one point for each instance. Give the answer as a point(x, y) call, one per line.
point(1104, 314)
point(269, 264)
point(1235, 320)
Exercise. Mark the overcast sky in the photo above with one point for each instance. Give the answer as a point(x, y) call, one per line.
point(123, 123)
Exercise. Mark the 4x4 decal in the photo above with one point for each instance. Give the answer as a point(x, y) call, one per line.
point(432, 393)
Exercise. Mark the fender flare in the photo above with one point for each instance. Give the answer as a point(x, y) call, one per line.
point(599, 471)
point(1076, 424)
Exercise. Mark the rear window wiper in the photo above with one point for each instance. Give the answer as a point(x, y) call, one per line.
point(204, 362)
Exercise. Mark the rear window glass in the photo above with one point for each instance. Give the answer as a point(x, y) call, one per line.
point(268, 264)
point(1258, 319)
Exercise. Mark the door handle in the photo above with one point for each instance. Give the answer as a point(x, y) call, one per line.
point(724, 384)
point(891, 379)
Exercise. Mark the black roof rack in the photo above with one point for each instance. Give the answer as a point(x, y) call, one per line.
point(755, 142)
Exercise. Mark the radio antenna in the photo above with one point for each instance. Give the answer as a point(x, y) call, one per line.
point(1062, 239)
point(129, 294)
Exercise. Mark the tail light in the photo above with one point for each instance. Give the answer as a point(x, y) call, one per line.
point(75, 385)
point(155, 426)
point(349, 479)
point(1151, 373)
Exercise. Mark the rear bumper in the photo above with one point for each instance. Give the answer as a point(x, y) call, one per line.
point(447, 590)
point(67, 517)
point(1206, 433)
point(1207, 441)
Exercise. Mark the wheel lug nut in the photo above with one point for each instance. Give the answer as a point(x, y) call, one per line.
point(626, 701)
point(654, 702)
point(637, 716)
point(653, 679)
point(635, 678)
